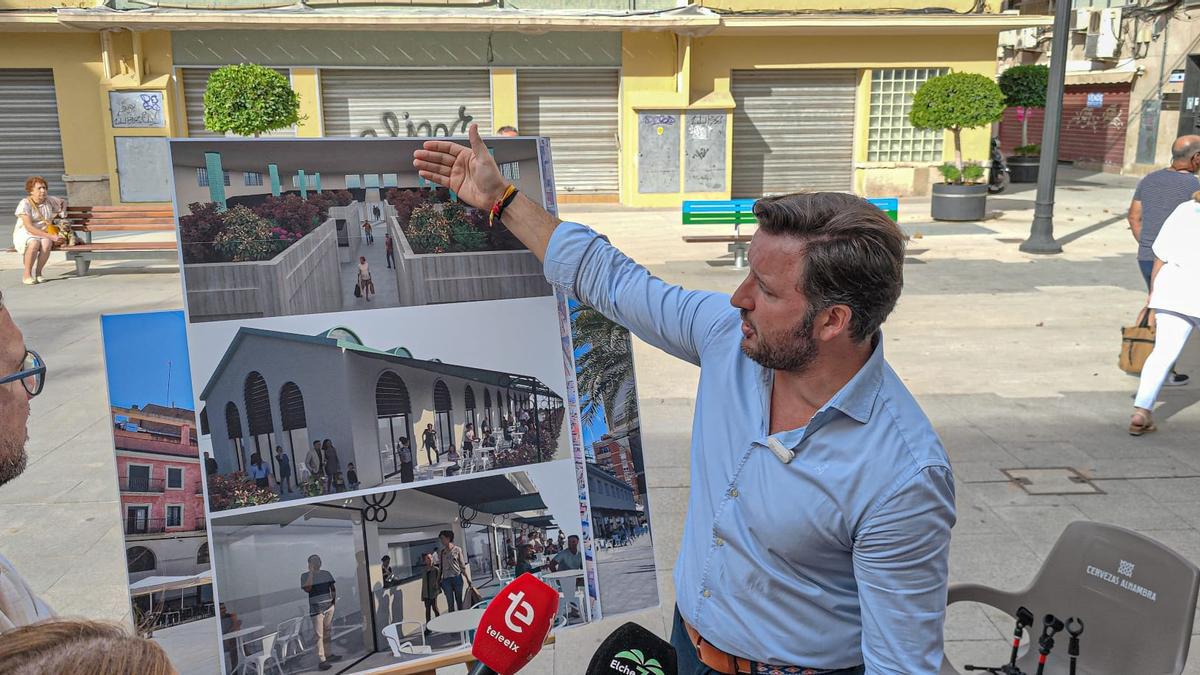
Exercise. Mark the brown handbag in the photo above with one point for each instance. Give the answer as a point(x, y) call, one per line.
point(1137, 342)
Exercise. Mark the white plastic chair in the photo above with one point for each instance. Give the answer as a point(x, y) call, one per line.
point(396, 636)
point(289, 635)
point(258, 661)
point(409, 649)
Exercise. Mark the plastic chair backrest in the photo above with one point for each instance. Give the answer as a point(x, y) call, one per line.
point(290, 628)
point(1136, 597)
point(392, 634)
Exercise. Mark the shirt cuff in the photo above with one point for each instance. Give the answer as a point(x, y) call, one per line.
point(564, 254)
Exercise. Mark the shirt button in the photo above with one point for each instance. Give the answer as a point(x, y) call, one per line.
point(707, 593)
point(720, 541)
point(733, 492)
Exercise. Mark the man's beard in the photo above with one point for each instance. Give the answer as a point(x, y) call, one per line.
point(12, 458)
point(795, 353)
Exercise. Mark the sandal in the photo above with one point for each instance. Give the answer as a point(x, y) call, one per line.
point(1141, 423)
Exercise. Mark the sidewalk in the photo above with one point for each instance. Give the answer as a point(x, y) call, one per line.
point(1013, 357)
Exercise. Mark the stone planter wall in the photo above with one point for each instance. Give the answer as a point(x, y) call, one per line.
point(429, 278)
point(304, 279)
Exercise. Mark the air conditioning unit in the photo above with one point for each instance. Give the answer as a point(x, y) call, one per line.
point(1083, 18)
point(1028, 39)
point(1009, 38)
point(1103, 36)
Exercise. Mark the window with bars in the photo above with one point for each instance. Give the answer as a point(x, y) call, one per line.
point(890, 138)
point(202, 177)
point(252, 178)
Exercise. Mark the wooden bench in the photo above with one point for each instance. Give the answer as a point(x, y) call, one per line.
point(86, 220)
point(738, 212)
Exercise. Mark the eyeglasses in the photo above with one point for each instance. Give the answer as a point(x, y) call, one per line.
point(32, 374)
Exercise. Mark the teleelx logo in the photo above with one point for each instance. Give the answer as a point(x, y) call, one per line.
point(641, 665)
point(517, 601)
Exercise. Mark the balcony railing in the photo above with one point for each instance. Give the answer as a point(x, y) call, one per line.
point(131, 484)
point(145, 526)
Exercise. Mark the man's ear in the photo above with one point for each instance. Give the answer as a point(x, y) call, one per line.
point(833, 321)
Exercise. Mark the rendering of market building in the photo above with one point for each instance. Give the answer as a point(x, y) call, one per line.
point(701, 89)
point(273, 388)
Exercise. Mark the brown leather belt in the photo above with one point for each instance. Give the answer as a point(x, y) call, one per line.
point(714, 658)
point(726, 663)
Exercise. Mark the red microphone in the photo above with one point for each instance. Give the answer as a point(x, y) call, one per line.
point(514, 626)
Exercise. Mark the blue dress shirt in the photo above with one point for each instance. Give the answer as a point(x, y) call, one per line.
point(835, 558)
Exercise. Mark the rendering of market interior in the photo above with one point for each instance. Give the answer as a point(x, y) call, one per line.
point(365, 402)
point(260, 555)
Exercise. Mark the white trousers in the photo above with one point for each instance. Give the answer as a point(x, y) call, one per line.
point(1170, 336)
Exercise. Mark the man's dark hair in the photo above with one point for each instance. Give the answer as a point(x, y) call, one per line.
point(1184, 148)
point(314, 557)
point(386, 557)
point(507, 127)
point(574, 536)
point(853, 253)
point(448, 534)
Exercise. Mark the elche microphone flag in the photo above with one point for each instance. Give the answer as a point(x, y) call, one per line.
point(633, 650)
point(514, 626)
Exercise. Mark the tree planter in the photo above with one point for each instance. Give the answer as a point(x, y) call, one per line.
point(1023, 169)
point(959, 202)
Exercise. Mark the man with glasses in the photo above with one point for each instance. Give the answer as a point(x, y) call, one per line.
point(22, 374)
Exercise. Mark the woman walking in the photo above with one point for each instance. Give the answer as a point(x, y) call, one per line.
point(431, 580)
point(35, 233)
point(364, 278)
point(1173, 295)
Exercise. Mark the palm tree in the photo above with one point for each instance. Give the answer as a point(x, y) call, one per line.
point(606, 369)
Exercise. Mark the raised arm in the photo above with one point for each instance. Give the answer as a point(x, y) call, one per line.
point(578, 260)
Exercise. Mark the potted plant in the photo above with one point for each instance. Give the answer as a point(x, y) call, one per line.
point(249, 100)
point(1024, 87)
point(953, 102)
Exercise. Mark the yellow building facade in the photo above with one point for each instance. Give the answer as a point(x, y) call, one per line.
point(719, 100)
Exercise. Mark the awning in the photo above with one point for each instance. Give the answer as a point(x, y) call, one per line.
point(492, 494)
point(1101, 77)
point(537, 521)
point(158, 584)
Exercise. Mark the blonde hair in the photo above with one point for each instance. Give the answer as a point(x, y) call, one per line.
point(79, 647)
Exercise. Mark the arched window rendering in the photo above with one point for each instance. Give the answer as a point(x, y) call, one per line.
point(443, 420)
point(295, 428)
point(204, 421)
point(233, 424)
point(202, 554)
point(487, 408)
point(258, 416)
point(140, 559)
point(469, 409)
point(392, 412)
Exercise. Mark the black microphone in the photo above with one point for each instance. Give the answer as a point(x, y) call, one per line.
point(633, 650)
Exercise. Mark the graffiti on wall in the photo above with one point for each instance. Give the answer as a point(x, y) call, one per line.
point(1097, 119)
point(392, 125)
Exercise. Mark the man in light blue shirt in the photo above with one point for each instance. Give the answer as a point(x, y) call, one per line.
point(818, 530)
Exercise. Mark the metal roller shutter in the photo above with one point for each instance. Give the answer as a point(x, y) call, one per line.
point(30, 142)
point(405, 102)
point(195, 80)
point(578, 110)
point(1093, 134)
point(793, 130)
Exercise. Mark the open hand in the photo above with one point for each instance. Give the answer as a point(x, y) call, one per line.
point(470, 172)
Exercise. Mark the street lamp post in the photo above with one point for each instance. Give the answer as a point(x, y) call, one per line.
point(1041, 234)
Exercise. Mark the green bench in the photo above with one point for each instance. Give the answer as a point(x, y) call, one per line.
point(738, 212)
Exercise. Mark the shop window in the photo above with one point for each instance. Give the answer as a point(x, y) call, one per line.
point(233, 424)
point(392, 409)
point(890, 138)
point(295, 428)
point(202, 177)
point(444, 423)
point(174, 478)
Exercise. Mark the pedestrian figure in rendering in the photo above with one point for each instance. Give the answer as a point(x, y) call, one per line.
point(429, 442)
point(314, 462)
point(366, 226)
point(1175, 297)
point(431, 582)
point(1157, 196)
point(351, 476)
point(260, 472)
point(285, 471)
point(333, 465)
point(364, 278)
point(389, 249)
point(454, 570)
point(322, 599)
point(406, 460)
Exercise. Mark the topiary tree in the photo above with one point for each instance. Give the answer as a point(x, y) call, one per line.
point(1025, 87)
point(248, 100)
point(956, 101)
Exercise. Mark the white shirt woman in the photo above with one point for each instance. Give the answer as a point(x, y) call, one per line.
point(1175, 297)
point(31, 237)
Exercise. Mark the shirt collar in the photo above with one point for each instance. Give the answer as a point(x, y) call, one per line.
point(857, 398)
